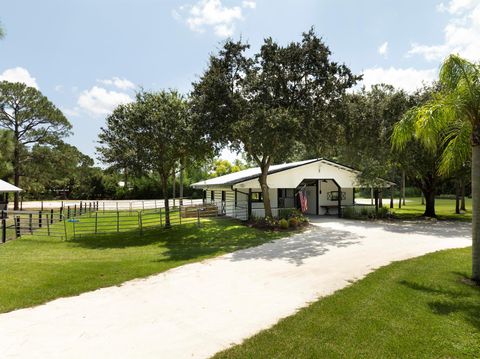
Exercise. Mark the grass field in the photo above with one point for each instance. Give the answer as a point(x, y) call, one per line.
point(420, 308)
point(445, 209)
point(35, 269)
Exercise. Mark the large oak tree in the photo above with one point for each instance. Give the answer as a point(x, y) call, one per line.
point(268, 102)
point(152, 135)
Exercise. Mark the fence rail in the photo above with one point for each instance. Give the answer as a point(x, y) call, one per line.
point(89, 219)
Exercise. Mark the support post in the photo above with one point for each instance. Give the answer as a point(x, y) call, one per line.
point(4, 228)
point(249, 204)
point(339, 201)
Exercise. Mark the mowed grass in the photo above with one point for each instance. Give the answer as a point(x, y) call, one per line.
point(419, 308)
point(37, 269)
point(444, 208)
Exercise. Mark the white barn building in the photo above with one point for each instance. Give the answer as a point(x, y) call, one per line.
point(327, 185)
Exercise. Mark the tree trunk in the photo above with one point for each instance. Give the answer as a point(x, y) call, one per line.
point(423, 198)
point(173, 185)
point(400, 198)
point(429, 203)
point(376, 201)
point(182, 168)
point(403, 187)
point(371, 196)
point(475, 210)
point(165, 200)
point(462, 196)
point(391, 196)
point(380, 198)
point(265, 193)
point(457, 197)
point(16, 167)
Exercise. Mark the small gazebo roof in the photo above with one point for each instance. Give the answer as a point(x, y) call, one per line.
point(7, 187)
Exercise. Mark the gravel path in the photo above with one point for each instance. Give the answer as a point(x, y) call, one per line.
point(198, 309)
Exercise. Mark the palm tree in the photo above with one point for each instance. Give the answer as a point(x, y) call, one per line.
point(451, 121)
point(2, 32)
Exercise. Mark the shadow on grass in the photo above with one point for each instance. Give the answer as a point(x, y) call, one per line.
point(185, 242)
point(464, 301)
point(300, 247)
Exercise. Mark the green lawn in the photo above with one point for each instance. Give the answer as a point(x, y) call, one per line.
point(445, 209)
point(38, 269)
point(420, 308)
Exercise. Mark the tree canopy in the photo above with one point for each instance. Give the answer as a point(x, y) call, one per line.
point(31, 118)
point(152, 135)
point(270, 101)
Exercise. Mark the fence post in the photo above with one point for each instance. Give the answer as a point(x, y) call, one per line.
point(96, 222)
point(90, 207)
point(118, 220)
point(51, 216)
point(65, 229)
point(17, 226)
point(48, 225)
point(97, 205)
point(81, 205)
point(68, 212)
point(75, 210)
point(140, 224)
point(60, 216)
point(30, 222)
point(41, 207)
point(4, 227)
point(40, 219)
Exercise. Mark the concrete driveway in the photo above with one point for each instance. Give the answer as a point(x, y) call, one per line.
point(199, 309)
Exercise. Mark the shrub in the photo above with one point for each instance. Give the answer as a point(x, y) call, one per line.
point(283, 223)
point(293, 222)
point(365, 212)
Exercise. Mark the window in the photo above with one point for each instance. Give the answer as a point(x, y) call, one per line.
point(257, 197)
point(212, 196)
point(333, 196)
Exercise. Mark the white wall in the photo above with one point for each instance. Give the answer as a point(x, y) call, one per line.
point(293, 177)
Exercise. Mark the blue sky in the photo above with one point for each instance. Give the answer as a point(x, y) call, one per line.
point(87, 56)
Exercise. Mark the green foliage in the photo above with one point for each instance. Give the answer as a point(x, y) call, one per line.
point(293, 222)
point(283, 223)
point(32, 119)
point(224, 167)
point(365, 212)
point(253, 102)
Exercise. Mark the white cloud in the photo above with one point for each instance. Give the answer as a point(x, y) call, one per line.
point(71, 112)
point(19, 74)
point(249, 4)
point(122, 84)
point(212, 14)
point(58, 88)
point(408, 79)
point(461, 34)
point(383, 49)
point(100, 101)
